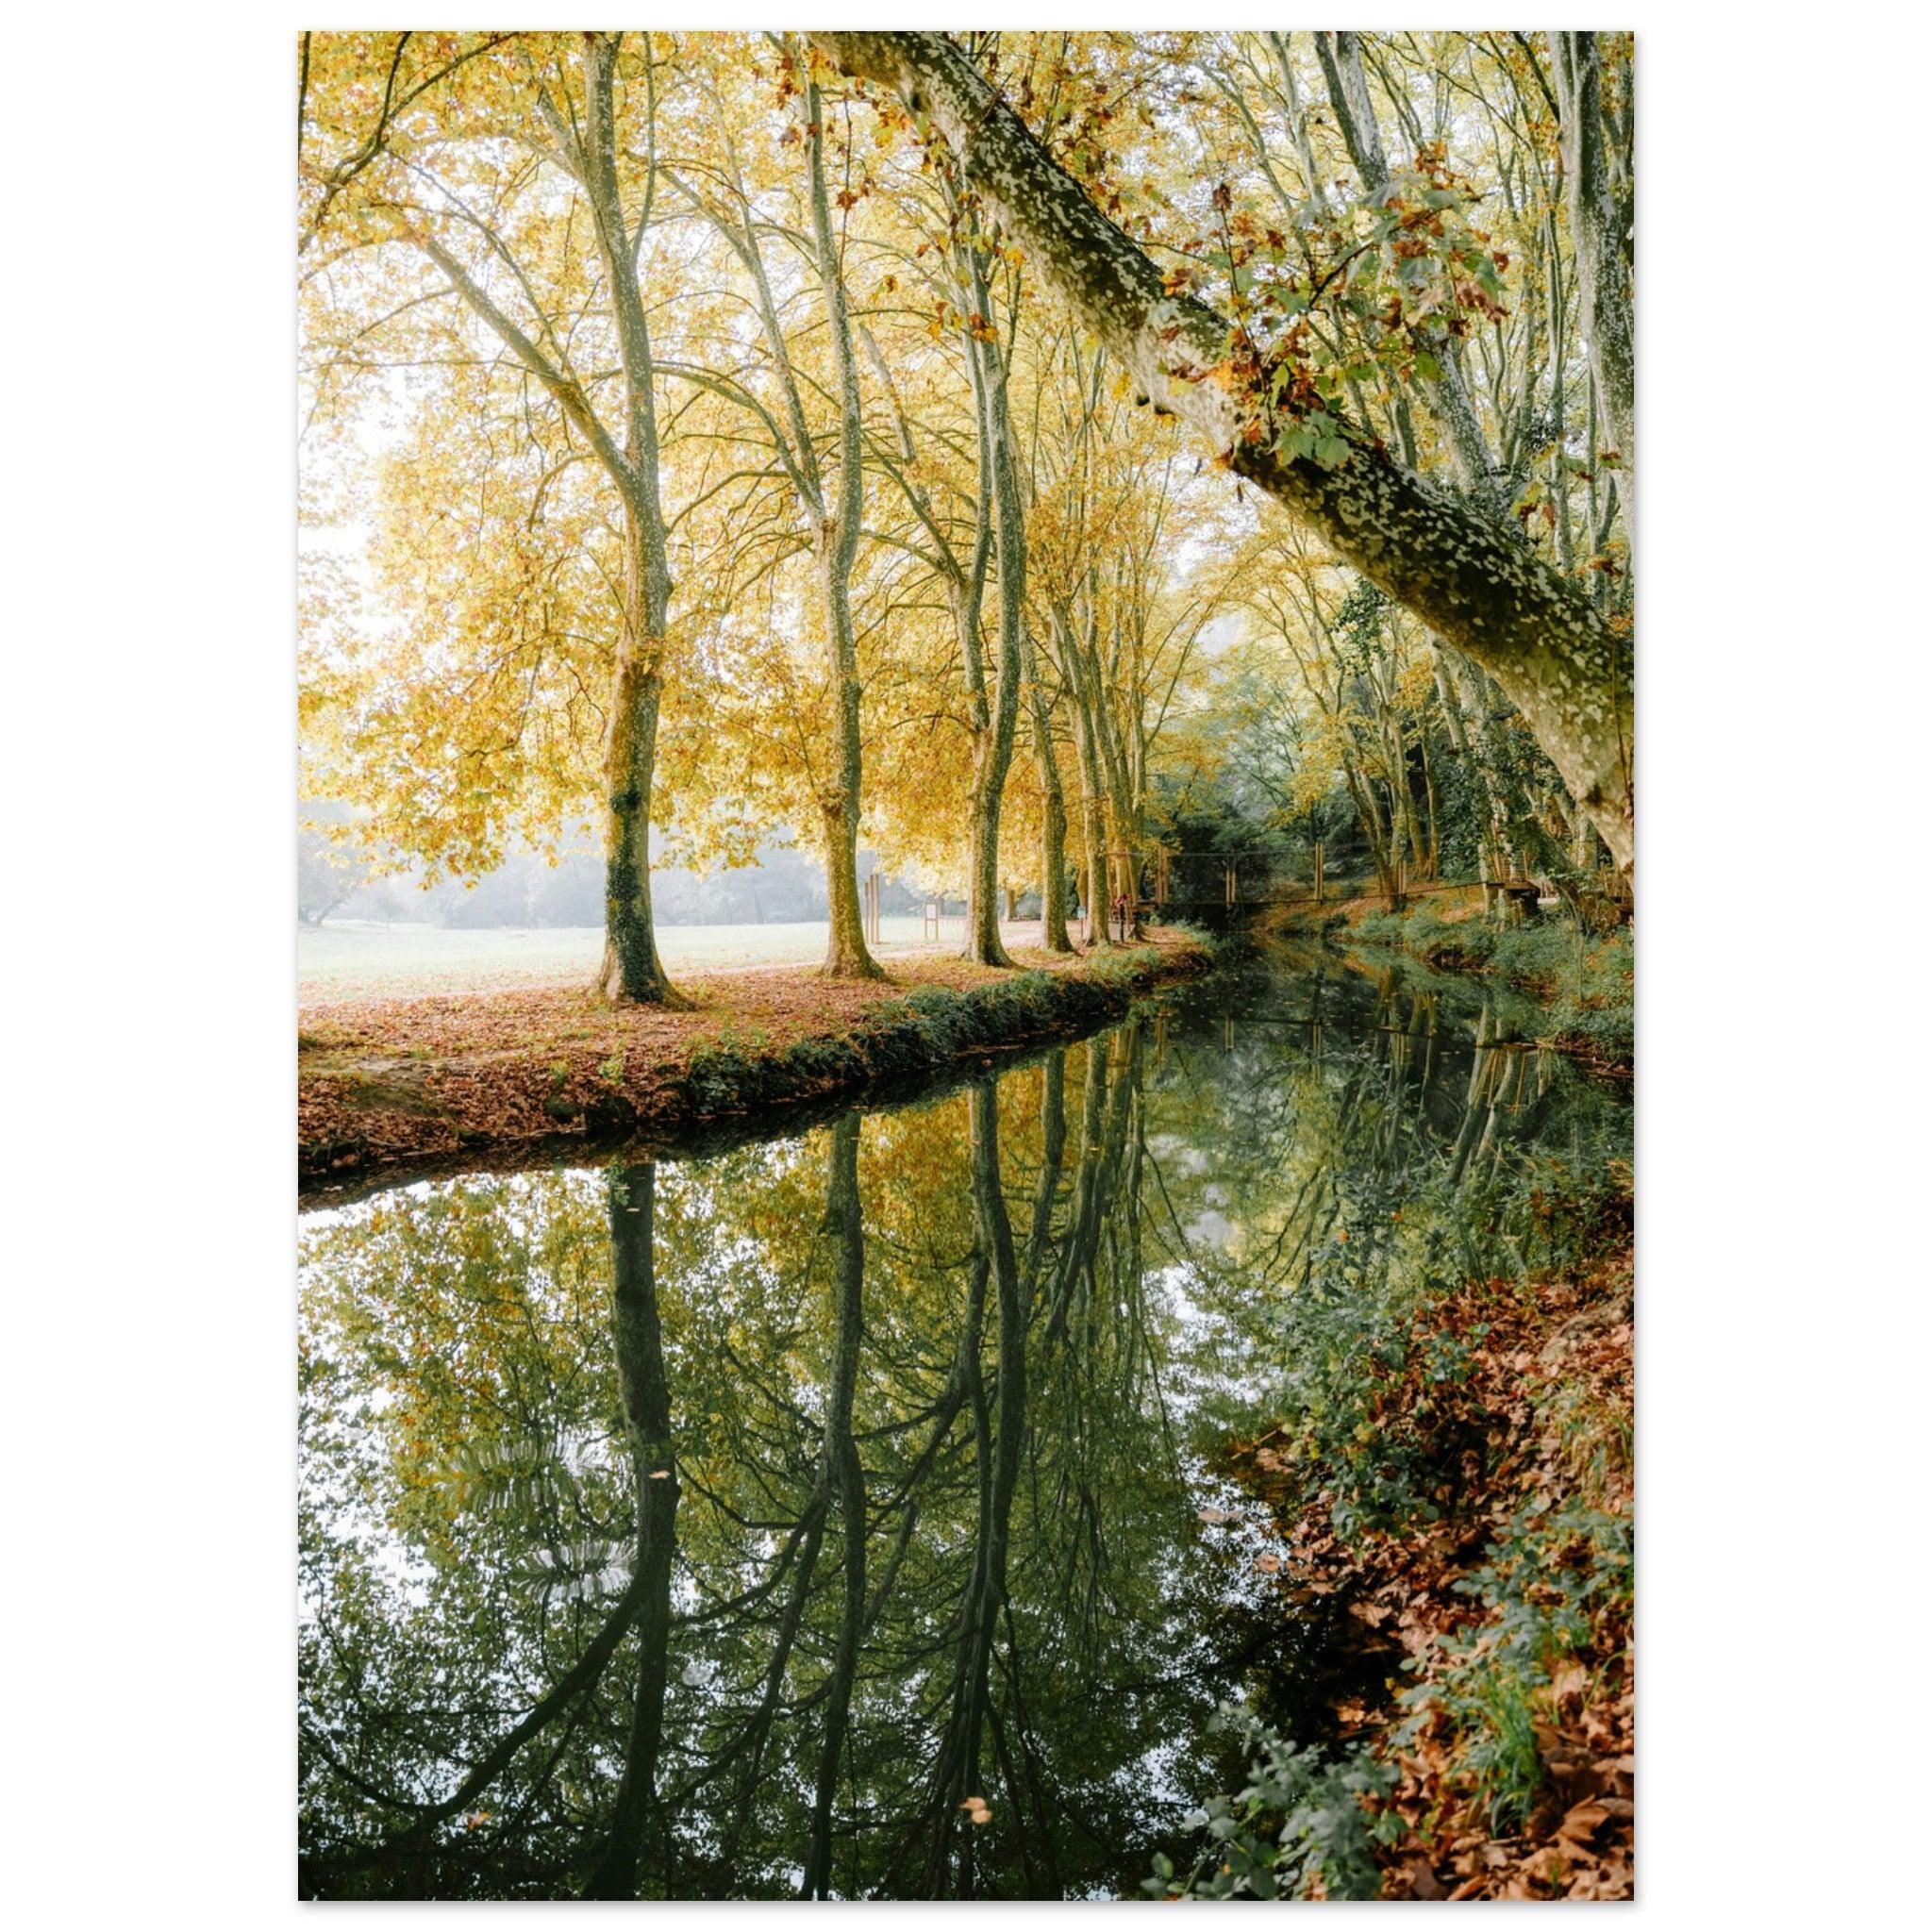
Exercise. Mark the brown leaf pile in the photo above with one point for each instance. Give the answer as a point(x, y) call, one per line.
point(1553, 1372)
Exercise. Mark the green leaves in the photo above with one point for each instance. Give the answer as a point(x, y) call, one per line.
point(1299, 1830)
point(1315, 437)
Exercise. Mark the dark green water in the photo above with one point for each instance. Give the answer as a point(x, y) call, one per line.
point(716, 1528)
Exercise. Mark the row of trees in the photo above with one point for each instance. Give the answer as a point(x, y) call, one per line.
point(834, 430)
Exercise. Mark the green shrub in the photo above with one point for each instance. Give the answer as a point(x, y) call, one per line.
point(1486, 1678)
point(1588, 984)
point(1323, 1841)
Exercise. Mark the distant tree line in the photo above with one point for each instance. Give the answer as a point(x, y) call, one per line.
point(530, 890)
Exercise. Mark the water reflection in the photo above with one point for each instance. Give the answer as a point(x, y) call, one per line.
point(823, 1519)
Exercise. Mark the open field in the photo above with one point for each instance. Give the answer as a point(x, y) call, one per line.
point(360, 959)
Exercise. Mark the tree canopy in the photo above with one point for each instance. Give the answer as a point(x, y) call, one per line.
point(971, 446)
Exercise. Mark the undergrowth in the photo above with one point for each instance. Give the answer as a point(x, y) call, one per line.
point(1297, 1829)
point(1588, 981)
point(1455, 1455)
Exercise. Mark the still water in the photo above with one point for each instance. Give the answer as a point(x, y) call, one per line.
point(718, 1527)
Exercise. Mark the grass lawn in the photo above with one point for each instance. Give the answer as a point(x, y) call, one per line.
point(359, 960)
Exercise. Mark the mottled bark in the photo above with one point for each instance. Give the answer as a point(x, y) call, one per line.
point(1461, 570)
point(631, 968)
point(1600, 234)
point(847, 955)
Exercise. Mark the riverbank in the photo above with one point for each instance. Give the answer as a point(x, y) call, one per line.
point(1466, 1489)
point(389, 1084)
point(1588, 981)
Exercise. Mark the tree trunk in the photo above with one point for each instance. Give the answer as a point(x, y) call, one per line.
point(992, 750)
point(1053, 823)
point(1108, 773)
point(843, 1475)
point(1092, 831)
point(632, 970)
point(1457, 567)
point(1382, 849)
point(983, 941)
point(1340, 54)
point(1603, 262)
point(1434, 859)
point(846, 954)
point(646, 1391)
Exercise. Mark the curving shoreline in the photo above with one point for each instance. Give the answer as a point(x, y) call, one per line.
point(391, 1089)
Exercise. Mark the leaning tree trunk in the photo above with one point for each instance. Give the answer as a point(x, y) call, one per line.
point(1457, 566)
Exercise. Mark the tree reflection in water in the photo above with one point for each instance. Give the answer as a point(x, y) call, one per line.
point(721, 1528)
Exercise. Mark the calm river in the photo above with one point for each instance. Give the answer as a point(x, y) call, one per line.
point(720, 1526)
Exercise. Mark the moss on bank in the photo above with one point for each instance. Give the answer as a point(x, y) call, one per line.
point(921, 1032)
point(1587, 981)
point(520, 1071)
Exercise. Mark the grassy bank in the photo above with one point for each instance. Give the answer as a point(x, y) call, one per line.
point(1457, 1466)
point(387, 1085)
point(1587, 981)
